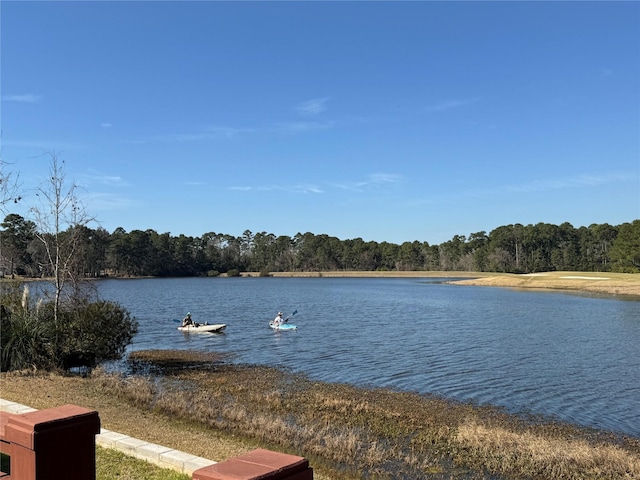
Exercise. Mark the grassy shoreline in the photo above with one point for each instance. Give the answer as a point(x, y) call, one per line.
point(625, 285)
point(219, 410)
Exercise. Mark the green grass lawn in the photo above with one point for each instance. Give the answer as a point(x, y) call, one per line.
point(114, 465)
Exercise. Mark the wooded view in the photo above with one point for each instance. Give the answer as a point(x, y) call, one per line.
point(511, 248)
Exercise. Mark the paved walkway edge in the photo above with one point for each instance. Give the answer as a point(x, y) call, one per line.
point(157, 454)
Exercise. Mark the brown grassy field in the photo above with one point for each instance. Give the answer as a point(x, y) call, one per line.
point(619, 284)
point(219, 410)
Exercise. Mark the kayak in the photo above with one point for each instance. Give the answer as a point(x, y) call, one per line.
point(203, 328)
point(284, 326)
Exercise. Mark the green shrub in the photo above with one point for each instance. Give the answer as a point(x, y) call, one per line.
point(84, 334)
point(93, 331)
point(25, 341)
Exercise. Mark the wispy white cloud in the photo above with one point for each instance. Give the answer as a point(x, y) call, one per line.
point(371, 182)
point(580, 181)
point(375, 180)
point(384, 178)
point(305, 188)
point(102, 179)
point(451, 104)
point(549, 184)
point(534, 186)
point(228, 132)
point(217, 132)
point(107, 201)
point(106, 125)
point(210, 133)
point(207, 133)
point(296, 188)
point(312, 107)
point(189, 137)
point(23, 98)
point(213, 132)
point(44, 145)
point(300, 127)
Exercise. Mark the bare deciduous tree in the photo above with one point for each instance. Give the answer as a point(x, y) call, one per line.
point(59, 218)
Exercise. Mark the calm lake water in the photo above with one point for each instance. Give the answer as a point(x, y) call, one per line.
point(570, 356)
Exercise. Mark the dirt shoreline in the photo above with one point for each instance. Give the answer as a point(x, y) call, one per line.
point(626, 285)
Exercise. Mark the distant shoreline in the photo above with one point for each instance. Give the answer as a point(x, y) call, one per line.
point(604, 283)
point(373, 274)
point(626, 285)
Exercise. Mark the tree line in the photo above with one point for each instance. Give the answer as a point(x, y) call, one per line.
point(511, 248)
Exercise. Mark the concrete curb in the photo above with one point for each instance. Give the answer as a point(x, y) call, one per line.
point(157, 454)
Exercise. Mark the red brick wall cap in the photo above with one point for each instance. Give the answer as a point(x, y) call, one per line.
point(258, 464)
point(23, 429)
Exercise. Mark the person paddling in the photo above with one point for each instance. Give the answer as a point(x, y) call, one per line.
point(186, 321)
point(278, 320)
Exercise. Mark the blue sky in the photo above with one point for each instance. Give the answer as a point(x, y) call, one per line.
point(387, 121)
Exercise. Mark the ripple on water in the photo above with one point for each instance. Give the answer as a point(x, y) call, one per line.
point(577, 358)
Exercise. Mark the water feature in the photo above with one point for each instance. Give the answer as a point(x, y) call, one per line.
point(576, 357)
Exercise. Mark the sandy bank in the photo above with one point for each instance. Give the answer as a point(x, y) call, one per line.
point(606, 283)
point(619, 284)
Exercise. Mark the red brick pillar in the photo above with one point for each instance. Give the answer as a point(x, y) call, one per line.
point(53, 444)
point(258, 464)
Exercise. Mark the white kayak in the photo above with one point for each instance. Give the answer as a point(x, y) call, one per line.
point(203, 328)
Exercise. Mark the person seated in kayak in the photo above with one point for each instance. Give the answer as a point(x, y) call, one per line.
point(187, 320)
point(278, 320)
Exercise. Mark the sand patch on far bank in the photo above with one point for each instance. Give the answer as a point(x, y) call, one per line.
point(585, 278)
point(627, 284)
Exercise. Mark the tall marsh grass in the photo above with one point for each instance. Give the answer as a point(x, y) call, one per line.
point(372, 433)
point(509, 452)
